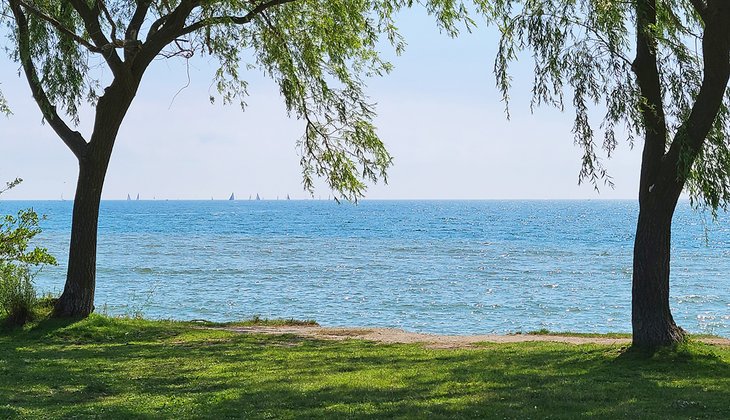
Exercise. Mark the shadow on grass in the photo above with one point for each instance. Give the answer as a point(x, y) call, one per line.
point(130, 368)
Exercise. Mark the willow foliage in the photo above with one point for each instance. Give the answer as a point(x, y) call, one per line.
point(320, 54)
point(584, 49)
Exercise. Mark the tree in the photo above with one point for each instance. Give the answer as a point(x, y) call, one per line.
point(658, 67)
point(317, 51)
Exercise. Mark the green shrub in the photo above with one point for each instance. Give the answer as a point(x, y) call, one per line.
point(17, 294)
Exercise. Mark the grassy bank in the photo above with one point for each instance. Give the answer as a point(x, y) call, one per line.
point(118, 368)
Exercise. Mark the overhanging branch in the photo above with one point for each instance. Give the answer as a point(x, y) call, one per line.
point(71, 138)
point(59, 26)
point(238, 20)
point(692, 135)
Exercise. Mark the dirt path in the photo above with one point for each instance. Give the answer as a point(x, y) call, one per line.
point(393, 335)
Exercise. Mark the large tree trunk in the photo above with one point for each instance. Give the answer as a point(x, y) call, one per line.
point(659, 189)
point(651, 317)
point(77, 299)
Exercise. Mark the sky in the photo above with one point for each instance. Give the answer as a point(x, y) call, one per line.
point(439, 114)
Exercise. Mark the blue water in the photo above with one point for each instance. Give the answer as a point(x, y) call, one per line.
point(460, 267)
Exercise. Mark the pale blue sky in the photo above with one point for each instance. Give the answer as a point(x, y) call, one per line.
point(439, 113)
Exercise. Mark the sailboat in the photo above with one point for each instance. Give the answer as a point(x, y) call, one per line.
point(129, 198)
point(257, 197)
point(137, 196)
point(232, 197)
point(287, 197)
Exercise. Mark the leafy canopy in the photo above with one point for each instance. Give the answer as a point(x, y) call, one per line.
point(319, 52)
point(585, 49)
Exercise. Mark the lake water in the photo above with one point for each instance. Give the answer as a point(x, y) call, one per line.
point(460, 267)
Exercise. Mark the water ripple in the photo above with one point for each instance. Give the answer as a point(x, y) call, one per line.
point(444, 267)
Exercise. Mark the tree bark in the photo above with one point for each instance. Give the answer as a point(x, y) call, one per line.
point(651, 317)
point(77, 299)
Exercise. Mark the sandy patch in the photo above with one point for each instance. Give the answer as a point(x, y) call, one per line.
point(394, 335)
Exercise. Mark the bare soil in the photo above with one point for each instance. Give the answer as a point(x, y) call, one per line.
point(394, 335)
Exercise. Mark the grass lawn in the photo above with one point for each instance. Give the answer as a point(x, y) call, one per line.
point(127, 368)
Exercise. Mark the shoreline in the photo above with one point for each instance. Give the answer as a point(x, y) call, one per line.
point(399, 336)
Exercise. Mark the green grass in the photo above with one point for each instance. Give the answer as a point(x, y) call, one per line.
point(130, 368)
point(257, 321)
point(547, 332)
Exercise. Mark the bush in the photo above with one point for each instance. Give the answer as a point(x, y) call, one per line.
point(17, 294)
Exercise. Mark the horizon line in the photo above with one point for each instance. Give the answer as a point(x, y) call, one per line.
point(348, 201)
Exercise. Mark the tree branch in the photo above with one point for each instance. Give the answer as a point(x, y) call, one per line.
point(162, 32)
point(691, 136)
point(60, 27)
point(174, 15)
point(108, 16)
point(238, 20)
point(137, 20)
point(156, 26)
point(132, 44)
point(651, 106)
point(171, 26)
point(73, 139)
point(93, 27)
